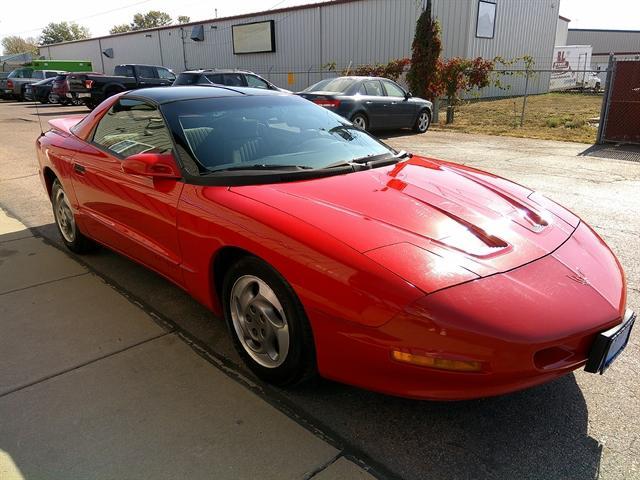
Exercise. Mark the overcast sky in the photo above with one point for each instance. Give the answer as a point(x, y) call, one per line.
point(28, 18)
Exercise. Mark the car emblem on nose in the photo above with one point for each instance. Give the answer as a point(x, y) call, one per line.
point(580, 277)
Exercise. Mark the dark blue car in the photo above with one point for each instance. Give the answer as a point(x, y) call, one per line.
point(371, 103)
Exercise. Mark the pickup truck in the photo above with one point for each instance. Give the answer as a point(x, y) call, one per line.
point(18, 79)
point(93, 89)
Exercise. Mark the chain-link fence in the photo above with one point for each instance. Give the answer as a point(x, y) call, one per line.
point(621, 107)
point(551, 104)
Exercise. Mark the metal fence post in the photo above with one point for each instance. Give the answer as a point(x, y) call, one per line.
point(604, 109)
point(524, 100)
point(436, 111)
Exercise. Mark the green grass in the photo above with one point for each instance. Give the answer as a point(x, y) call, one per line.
point(552, 116)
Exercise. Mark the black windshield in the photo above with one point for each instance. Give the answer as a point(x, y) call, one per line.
point(231, 132)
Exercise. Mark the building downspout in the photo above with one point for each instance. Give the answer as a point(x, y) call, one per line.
point(320, 37)
point(101, 55)
point(160, 47)
point(184, 49)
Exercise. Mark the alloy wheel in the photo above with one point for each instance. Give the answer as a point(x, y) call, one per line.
point(259, 321)
point(423, 122)
point(64, 216)
point(360, 122)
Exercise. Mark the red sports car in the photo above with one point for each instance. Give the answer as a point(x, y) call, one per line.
point(327, 252)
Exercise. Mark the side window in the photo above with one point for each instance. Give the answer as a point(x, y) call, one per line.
point(233, 80)
point(215, 78)
point(255, 82)
point(166, 74)
point(393, 90)
point(373, 87)
point(361, 90)
point(39, 74)
point(123, 71)
point(132, 126)
point(51, 74)
point(147, 72)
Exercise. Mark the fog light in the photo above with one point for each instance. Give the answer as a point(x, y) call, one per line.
point(437, 362)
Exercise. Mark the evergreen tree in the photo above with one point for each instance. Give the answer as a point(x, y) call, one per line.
point(425, 51)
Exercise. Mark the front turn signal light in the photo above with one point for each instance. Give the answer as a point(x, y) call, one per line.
point(437, 362)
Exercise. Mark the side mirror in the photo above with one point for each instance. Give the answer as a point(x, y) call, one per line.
point(408, 95)
point(156, 165)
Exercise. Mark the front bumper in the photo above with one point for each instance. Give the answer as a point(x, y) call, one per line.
point(526, 326)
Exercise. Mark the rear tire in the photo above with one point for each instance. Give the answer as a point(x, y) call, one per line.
point(360, 121)
point(66, 222)
point(267, 323)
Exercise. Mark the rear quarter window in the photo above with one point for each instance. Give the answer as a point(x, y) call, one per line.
point(132, 126)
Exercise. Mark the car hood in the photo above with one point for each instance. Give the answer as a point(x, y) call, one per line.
point(421, 210)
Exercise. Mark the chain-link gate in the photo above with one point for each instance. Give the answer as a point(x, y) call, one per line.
point(620, 117)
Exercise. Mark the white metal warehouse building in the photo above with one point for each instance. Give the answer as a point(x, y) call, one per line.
point(624, 44)
point(347, 32)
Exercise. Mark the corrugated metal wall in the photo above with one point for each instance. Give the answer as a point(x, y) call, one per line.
point(352, 33)
point(626, 43)
point(454, 17)
point(521, 28)
point(605, 41)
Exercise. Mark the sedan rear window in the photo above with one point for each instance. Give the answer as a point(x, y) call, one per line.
point(337, 85)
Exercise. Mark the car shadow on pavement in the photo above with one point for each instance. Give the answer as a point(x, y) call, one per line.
point(60, 114)
point(537, 433)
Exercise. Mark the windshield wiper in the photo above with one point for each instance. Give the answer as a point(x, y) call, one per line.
point(262, 166)
point(403, 154)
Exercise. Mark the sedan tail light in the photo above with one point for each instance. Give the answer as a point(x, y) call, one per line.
point(327, 102)
point(88, 84)
point(9, 84)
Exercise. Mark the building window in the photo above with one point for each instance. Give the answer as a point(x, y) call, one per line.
point(486, 21)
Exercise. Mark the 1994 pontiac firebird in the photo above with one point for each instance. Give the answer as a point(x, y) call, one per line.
point(330, 253)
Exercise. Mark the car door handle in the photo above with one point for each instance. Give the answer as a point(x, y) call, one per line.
point(78, 168)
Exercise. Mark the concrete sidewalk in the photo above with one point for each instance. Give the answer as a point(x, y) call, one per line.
point(91, 387)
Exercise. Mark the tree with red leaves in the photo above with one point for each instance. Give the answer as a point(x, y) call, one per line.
point(456, 75)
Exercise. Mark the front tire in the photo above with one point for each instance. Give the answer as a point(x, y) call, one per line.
point(66, 222)
point(422, 122)
point(267, 323)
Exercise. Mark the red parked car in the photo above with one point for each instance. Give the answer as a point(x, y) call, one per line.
point(327, 252)
point(60, 92)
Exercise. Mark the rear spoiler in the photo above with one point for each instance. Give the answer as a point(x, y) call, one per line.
point(65, 124)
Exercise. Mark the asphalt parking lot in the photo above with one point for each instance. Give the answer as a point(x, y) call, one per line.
point(579, 427)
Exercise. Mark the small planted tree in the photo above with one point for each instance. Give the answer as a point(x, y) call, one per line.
point(425, 52)
point(457, 75)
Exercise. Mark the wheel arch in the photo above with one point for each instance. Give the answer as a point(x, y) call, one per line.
point(221, 262)
point(113, 88)
point(49, 177)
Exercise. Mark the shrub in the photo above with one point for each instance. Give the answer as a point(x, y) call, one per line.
point(552, 122)
point(392, 70)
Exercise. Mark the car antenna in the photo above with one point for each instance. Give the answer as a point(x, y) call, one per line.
point(35, 103)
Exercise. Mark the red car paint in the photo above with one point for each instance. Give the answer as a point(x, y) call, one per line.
point(425, 256)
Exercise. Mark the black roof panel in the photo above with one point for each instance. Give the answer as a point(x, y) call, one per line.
point(172, 94)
